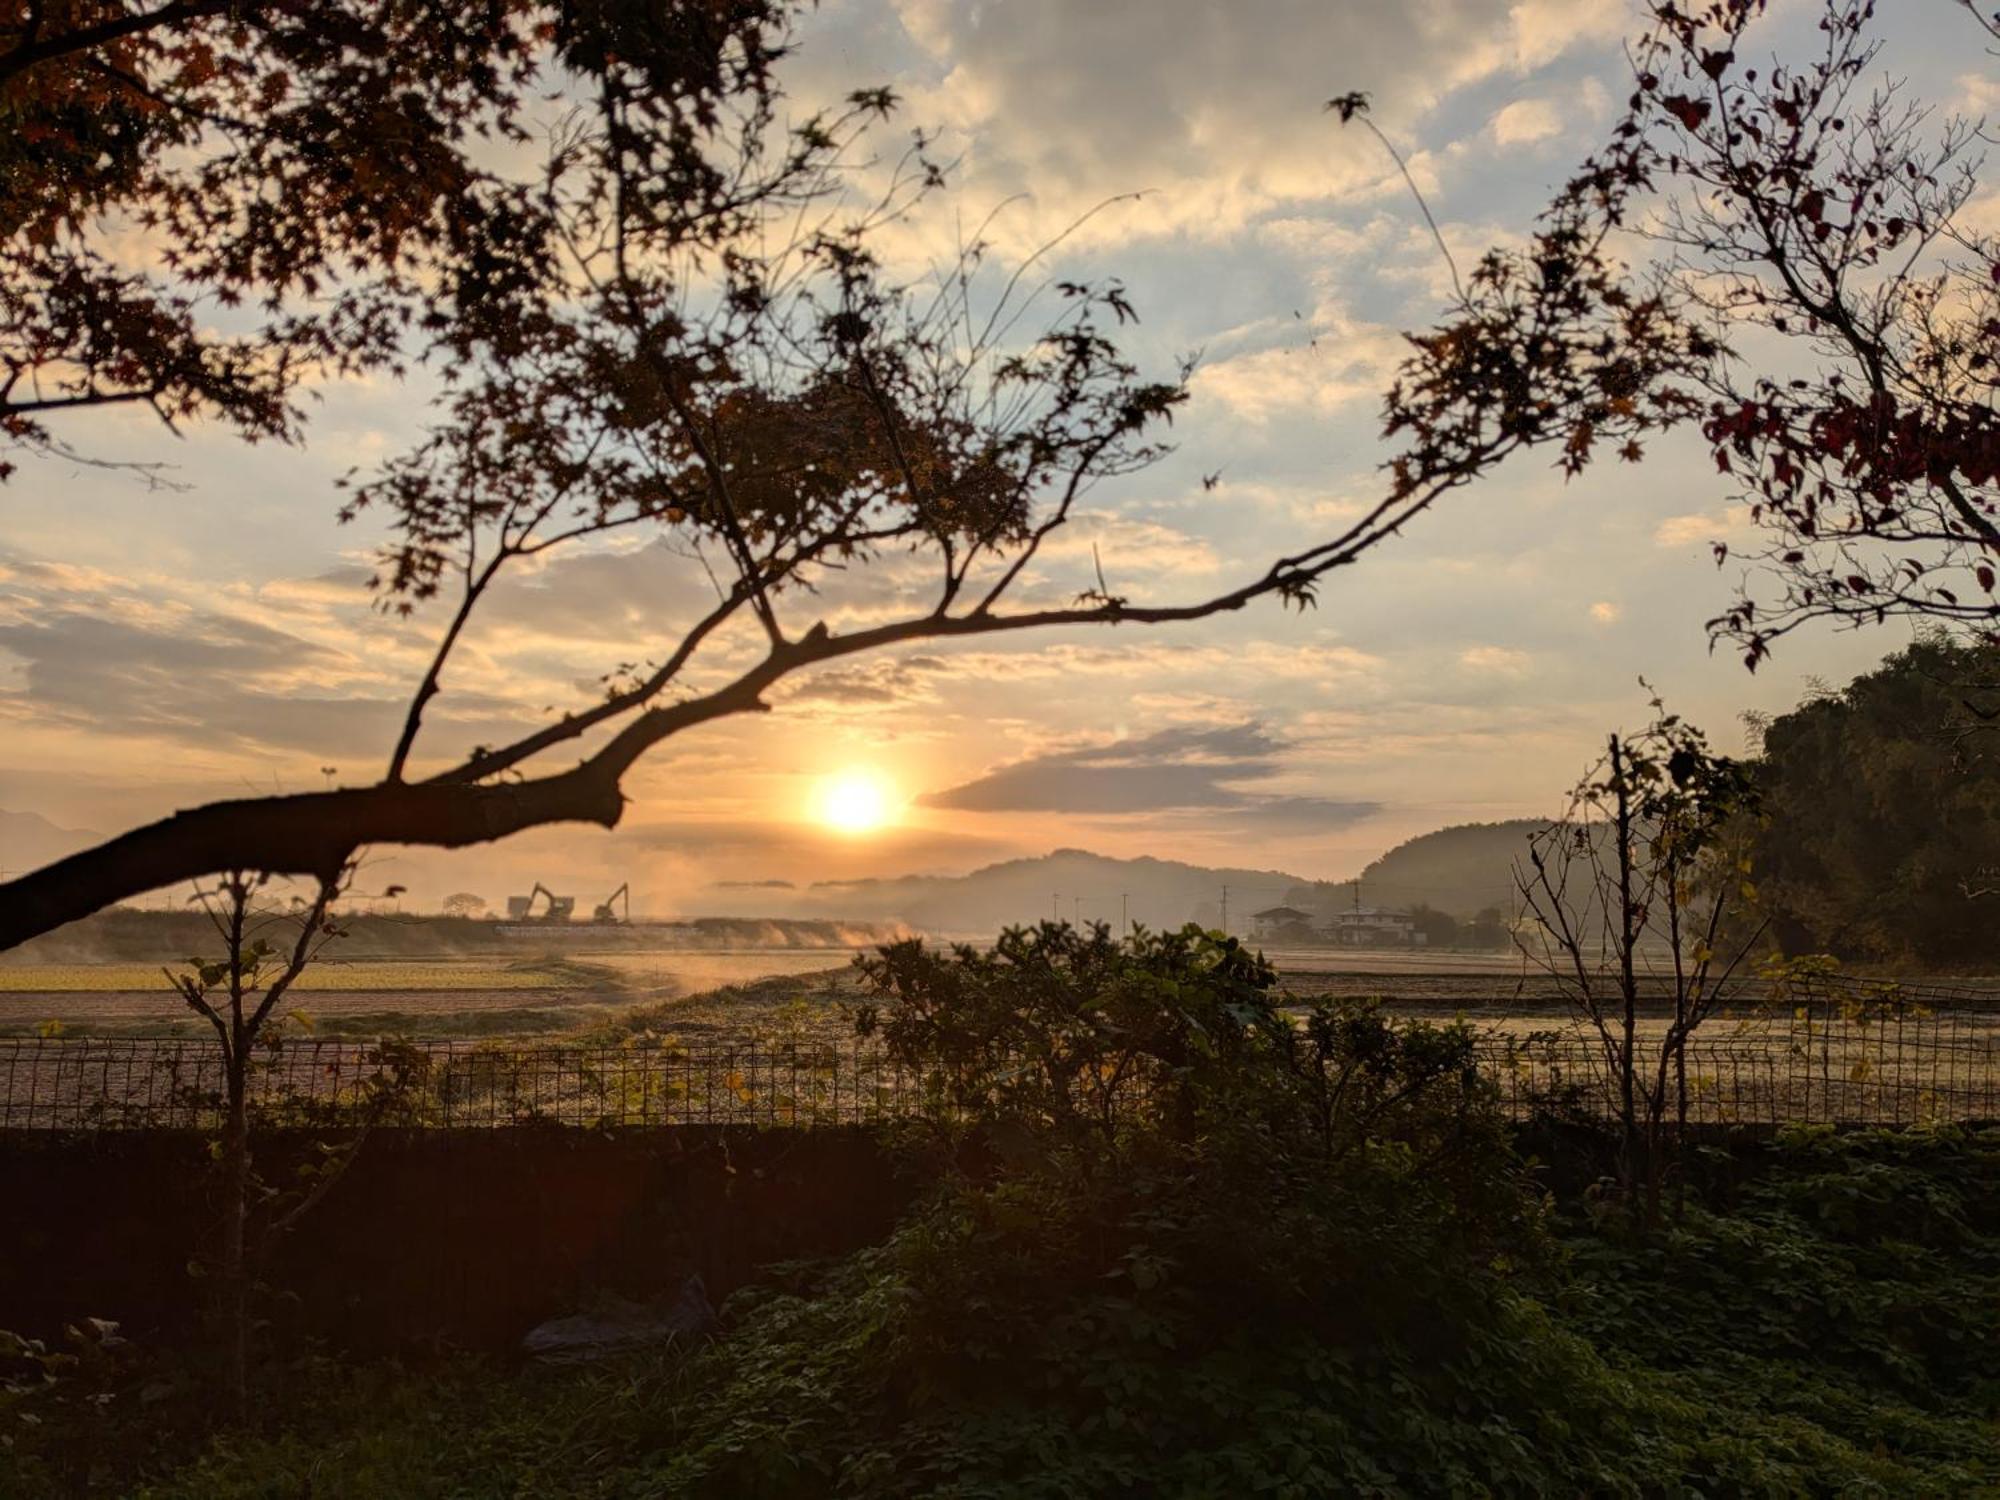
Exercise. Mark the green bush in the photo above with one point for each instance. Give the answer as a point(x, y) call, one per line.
point(1209, 1248)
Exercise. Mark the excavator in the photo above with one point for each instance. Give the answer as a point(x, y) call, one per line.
point(607, 909)
point(522, 908)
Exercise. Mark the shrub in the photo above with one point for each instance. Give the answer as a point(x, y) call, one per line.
point(1208, 1246)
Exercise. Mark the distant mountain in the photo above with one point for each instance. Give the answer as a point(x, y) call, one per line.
point(1460, 870)
point(28, 841)
point(1156, 893)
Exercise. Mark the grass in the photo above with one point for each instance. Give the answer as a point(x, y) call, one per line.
point(1823, 1324)
point(784, 1007)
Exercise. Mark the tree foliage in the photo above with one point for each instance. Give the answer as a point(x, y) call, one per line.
point(302, 184)
point(1173, 1170)
point(1814, 201)
point(1812, 294)
point(1881, 807)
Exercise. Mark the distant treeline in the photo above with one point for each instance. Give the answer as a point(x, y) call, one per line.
point(1879, 832)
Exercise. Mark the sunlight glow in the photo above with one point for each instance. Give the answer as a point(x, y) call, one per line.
point(856, 801)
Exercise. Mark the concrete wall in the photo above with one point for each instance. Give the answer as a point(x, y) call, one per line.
point(461, 1238)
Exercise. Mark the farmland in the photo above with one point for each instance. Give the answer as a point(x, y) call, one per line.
point(548, 994)
point(653, 1011)
point(657, 1015)
point(570, 987)
point(88, 979)
point(578, 982)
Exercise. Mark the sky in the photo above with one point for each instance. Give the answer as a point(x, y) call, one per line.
point(164, 647)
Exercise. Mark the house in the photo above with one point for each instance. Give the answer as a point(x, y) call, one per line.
point(1374, 927)
point(1283, 923)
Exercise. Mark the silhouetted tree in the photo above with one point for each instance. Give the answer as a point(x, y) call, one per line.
point(1814, 251)
point(241, 993)
point(1634, 895)
point(304, 178)
point(668, 316)
point(1809, 201)
point(1439, 929)
point(1488, 929)
point(238, 994)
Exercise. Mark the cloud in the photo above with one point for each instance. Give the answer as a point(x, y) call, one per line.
point(1699, 528)
point(881, 683)
point(1683, 531)
point(127, 657)
point(1129, 544)
point(1283, 816)
point(1175, 770)
point(1526, 121)
point(1214, 110)
point(704, 841)
point(1324, 365)
point(1503, 661)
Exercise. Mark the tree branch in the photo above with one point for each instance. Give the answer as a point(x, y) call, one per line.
point(28, 54)
point(317, 833)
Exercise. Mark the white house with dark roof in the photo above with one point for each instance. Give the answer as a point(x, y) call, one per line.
point(1281, 921)
point(1374, 927)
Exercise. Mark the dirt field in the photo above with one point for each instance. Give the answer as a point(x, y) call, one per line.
point(558, 993)
point(718, 993)
point(430, 997)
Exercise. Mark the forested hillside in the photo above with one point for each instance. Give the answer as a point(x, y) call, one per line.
point(1462, 870)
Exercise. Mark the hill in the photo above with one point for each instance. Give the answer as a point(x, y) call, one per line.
point(1155, 893)
point(1461, 870)
point(28, 841)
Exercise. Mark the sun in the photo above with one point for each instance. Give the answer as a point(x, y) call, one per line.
point(856, 801)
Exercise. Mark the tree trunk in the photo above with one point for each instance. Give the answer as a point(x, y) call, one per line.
point(233, 1290)
point(1628, 984)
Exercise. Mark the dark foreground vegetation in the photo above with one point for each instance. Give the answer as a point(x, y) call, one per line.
point(1176, 1244)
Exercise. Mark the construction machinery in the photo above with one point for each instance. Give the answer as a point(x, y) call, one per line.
point(522, 908)
point(607, 909)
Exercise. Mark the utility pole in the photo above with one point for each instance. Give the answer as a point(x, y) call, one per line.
point(1125, 913)
point(1055, 906)
point(1225, 911)
point(1079, 913)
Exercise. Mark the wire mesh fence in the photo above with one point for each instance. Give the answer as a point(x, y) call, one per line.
point(1840, 1052)
point(89, 1085)
point(1829, 1050)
